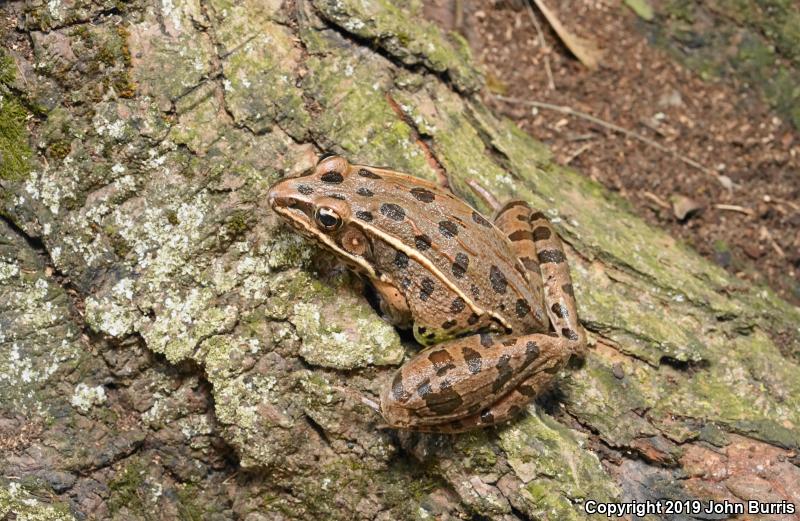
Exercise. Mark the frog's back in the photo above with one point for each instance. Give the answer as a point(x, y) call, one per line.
point(452, 251)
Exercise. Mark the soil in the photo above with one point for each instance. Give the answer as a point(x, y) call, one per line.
point(750, 158)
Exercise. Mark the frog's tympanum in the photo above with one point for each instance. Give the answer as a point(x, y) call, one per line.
point(492, 300)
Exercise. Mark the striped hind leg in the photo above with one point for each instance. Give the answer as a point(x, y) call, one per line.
point(538, 246)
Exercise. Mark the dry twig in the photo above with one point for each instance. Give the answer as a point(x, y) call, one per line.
point(551, 84)
point(734, 208)
point(584, 50)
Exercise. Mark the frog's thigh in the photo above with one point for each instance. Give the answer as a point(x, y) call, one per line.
point(460, 378)
point(506, 407)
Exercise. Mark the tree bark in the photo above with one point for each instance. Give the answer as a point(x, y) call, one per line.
point(169, 350)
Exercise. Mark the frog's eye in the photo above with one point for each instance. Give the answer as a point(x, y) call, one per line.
point(328, 219)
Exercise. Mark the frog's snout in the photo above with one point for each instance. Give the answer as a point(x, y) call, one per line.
point(273, 199)
point(279, 197)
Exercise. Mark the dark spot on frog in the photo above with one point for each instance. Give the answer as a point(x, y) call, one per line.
point(333, 178)
point(541, 233)
point(305, 189)
point(555, 256)
point(422, 242)
point(447, 324)
point(473, 359)
point(522, 308)
point(497, 279)
point(568, 333)
point(486, 340)
point(457, 306)
point(536, 216)
point(398, 392)
point(475, 290)
point(442, 361)
point(487, 416)
point(479, 219)
point(405, 283)
point(423, 195)
point(531, 352)
point(401, 260)
point(368, 174)
point(529, 263)
point(444, 402)
point(448, 229)
point(513, 204)
point(431, 335)
point(338, 196)
point(527, 390)
point(473, 319)
point(366, 192)
point(521, 235)
point(504, 373)
point(426, 289)
point(459, 267)
point(567, 288)
point(424, 388)
point(559, 310)
point(364, 216)
point(393, 212)
point(522, 217)
point(509, 343)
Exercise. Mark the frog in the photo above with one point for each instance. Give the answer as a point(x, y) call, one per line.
point(491, 301)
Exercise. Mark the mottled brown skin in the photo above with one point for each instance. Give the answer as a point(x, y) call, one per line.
point(493, 301)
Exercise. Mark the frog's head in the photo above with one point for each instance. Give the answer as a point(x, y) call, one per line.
point(316, 204)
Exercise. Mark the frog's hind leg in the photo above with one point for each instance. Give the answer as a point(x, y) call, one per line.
point(503, 409)
point(513, 219)
point(538, 246)
point(559, 296)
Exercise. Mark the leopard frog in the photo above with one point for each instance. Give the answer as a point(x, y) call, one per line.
point(492, 300)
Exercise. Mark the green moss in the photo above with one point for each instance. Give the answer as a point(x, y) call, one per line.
point(172, 217)
point(403, 32)
point(7, 68)
point(15, 152)
point(237, 223)
point(16, 502)
point(188, 509)
point(59, 149)
point(125, 488)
